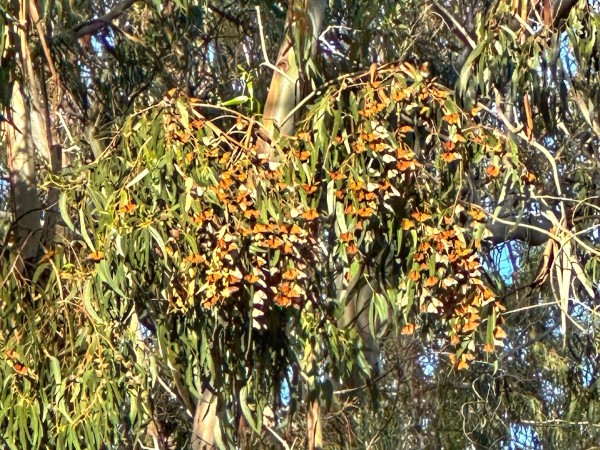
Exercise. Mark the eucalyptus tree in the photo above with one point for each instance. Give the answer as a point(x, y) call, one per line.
point(411, 223)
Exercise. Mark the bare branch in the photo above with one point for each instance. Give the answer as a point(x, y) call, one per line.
point(533, 231)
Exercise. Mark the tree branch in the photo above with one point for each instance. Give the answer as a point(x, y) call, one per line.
point(454, 25)
point(533, 231)
point(94, 25)
point(231, 18)
point(561, 9)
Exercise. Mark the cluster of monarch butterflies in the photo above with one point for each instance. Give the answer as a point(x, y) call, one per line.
point(248, 233)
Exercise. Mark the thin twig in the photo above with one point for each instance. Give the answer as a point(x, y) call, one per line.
point(35, 17)
point(279, 438)
point(555, 422)
point(267, 62)
point(263, 44)
point(525, 308)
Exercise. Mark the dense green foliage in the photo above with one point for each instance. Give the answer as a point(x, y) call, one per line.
point(185, 260)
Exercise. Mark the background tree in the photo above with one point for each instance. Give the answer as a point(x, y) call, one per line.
point(420, 217)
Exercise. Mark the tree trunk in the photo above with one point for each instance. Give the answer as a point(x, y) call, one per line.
point(356, 298)
point(290, 81)
point(23, 178)
point(26, 137)
point(205, 421)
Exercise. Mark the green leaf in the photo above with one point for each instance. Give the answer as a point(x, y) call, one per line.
point(137, 178)
point(159, 241)
point(55, 370)
point(465, 73)
point(84, 233)
point(239, 100)
point(64, 212)
point(183, 111)
point(88, 296)
point(105, 276)
point(246, 411)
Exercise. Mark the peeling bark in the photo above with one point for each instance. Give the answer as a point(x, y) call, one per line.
point(313, 424)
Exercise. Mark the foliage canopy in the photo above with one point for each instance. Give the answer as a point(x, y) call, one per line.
point(455, 179)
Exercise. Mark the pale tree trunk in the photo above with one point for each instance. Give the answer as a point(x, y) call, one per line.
point(205, 420)
point(23, 179)
point(26, 137)
point(288, 85)
point(313, 406)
